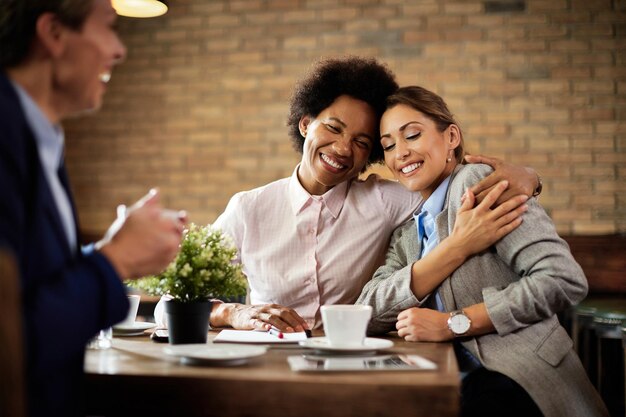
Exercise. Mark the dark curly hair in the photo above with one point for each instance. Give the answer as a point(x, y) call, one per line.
point(19, 17)
point(361, 78)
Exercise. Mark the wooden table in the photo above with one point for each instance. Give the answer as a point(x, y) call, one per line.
point(136, 378)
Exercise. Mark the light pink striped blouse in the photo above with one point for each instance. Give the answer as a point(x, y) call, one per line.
point(303, 251)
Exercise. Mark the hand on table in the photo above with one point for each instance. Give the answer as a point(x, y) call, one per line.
point(423, 325)
point(144, 238)
point(262, 317)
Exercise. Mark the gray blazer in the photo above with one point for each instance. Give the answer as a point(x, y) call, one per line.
point(524, 280)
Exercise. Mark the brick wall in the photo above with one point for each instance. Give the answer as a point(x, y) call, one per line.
point(199, 107)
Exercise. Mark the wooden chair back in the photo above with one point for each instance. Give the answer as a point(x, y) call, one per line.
point(12, 389)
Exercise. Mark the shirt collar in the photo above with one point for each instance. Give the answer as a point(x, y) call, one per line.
point(300, 198)
point(434, 204)
point(49, 137)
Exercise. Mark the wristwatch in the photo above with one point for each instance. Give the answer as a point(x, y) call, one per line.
point(459, 323)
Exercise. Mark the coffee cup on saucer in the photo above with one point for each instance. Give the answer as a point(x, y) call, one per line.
point(345, 325)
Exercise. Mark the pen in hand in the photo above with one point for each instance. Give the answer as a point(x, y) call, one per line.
point(274, 331)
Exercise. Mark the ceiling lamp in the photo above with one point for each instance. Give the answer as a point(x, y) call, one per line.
point(139, 8)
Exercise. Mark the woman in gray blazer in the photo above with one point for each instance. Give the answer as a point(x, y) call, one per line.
point(500, 306)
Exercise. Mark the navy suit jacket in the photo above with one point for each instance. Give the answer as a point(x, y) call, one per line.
point(66, 296)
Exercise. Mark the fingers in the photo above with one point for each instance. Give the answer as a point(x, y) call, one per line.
point(467, 201)
point(492, 196)
point(511, 205)
point(153, 197)
point(283, 318)
point(481, 159)
point(481, 189)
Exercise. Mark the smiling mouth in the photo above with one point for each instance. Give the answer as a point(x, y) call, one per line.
point(410, 168)
point(331, 162)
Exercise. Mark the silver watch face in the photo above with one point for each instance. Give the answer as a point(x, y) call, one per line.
point(459, 323)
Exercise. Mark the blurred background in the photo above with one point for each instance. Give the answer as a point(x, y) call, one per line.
point(199, 107)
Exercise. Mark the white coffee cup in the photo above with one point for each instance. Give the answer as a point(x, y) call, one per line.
point(345, 325)
point(133, 300)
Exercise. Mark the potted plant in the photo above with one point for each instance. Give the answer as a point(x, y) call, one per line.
point(202, 270)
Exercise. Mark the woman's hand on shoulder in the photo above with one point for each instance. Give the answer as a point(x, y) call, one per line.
point(477, 228)
point(522, 180)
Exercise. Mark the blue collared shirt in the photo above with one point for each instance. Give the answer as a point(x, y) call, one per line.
point(50, 140)
point(425, 221)
point(427, 234)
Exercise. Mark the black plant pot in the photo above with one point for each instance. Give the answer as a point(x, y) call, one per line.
point(187, 322)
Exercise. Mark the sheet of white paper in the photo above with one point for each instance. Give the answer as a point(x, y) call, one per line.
point(254, 336)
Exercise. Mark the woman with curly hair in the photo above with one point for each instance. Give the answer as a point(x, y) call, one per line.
point(317, 237)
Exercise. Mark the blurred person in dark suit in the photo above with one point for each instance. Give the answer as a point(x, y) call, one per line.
point(56, 59)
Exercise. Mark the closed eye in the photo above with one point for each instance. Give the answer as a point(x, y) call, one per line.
point(414, 136)
point(332, 128)
point(389, 147)
point(363, 143)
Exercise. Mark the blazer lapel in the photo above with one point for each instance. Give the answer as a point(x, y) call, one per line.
point(48, 204)
point(443, 228)
point(445, 289)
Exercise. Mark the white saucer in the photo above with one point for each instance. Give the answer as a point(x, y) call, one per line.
point(370, 344)
point(137, 328)
point(214, 354)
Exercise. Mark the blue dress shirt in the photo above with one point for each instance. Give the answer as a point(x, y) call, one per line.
point(427, 235)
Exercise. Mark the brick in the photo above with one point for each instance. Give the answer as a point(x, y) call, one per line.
point(571, 17)
point(593, 114)
point(464, 35)
point(340, 13)
point(496, 115)
point(527, 46)
point(595, 227)
point(612, 127)
point(441, 49)
point(571, 158)
point(244, 5)
point(571, 72)
point(573, 129)
point(415, 36)
point(554, 143)
point(591, 4)
point(485, 20)
point(485, 47)
point(547, 87)
point(569, 46)
point(547, 32)
point(443, 21)
point(170, 35)
point(594, 87)
point(223, 20)
point(299, 16)
point(595, 172)
point(363, 25)
point(462, 8)
point(596, 143)
point(530, 130)
point(505, 33)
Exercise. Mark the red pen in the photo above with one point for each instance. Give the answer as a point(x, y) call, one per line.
point(273, 330)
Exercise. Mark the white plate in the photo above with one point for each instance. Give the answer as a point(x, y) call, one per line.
point(136, 328)
point(214, 354)
point(370, 344)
